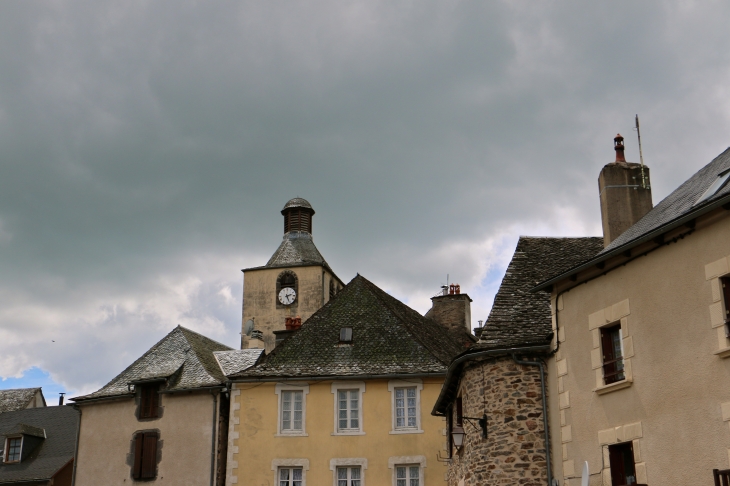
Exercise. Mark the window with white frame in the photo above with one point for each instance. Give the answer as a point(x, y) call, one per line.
point(348, 407)
point(408, 475)
point(348, 476)
point(291, 476)
point(406, 406)
point(292, 408)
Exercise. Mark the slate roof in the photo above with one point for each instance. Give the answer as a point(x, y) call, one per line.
point(389, 338)
point(297, 202)
point(184, 358)
point(55, 451)
point(235, 361)
point(520, 317)
point(296, 249)
point(16, 399)
point(673, 211)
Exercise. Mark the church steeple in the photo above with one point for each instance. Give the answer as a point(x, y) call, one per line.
point(298, 215)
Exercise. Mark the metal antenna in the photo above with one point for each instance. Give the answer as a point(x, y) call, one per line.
point(641, 154)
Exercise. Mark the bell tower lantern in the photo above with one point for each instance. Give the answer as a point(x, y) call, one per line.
point(295, 282)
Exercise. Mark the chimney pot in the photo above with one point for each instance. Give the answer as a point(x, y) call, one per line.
point(60, 398)
point(618, 146)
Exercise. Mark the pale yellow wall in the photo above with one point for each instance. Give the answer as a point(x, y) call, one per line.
point(253, 445)
point(673, 409)
point(107, 428)
point(260, 298)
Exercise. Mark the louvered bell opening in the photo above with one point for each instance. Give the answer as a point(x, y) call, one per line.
point(298, 220)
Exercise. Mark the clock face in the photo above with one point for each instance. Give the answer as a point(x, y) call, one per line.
point(287, 296)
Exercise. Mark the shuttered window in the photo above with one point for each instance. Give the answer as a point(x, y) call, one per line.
point(145, 455)
point(149, 401)
point(725, 283)
point(613, 360)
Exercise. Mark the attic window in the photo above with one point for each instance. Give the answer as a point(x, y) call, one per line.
point(714, 187)
point(346, 335)
point(13, 447)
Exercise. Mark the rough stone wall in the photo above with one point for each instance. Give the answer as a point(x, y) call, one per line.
point(514, 452)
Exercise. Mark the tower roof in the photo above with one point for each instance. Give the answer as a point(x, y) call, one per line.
point(297, 202)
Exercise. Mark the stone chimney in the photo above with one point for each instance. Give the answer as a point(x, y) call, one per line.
point(625, 193)
point(452, 310)
point(256, 340)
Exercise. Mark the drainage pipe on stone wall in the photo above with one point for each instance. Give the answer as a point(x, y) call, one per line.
point(544, 412)
point(213, 438)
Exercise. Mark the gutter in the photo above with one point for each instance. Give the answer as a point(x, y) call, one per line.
point(213, 438)
point(277, 379)
point(76, 451)
point(84, 401)
point(643, 239)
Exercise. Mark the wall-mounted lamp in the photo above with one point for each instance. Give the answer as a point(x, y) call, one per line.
point(458, 433)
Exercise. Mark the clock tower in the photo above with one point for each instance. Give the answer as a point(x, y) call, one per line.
point(296, 281)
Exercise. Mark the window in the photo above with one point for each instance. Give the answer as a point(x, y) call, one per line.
point(408, 475)
point(621, 457)
point(13, 446)
point(149, 401)
point(348, 476)
point(346, 335)
point(348, 407)
point(613, 361)
point(406, 406)
point(332, 288)
point(292, 410)
point(145, 455)
point(290, 476)
point(725, 284)
point(716, 185)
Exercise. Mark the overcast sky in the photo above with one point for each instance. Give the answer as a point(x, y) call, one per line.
point(146, 149)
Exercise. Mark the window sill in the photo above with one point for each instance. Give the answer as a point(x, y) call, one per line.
point(354, 432)
point(405, 431)
point(302, 434)
point(619, 385)
point(723, 353)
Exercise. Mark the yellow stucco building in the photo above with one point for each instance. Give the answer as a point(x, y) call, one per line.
point(345, 400)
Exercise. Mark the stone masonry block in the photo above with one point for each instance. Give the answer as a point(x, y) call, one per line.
point(633, 431)
point(721, 338)
point(561, 334)
point(715, 286)
point(725, 411)
point(568, 468)
point(637, 450)
point(620, 433)
point(562, 366)
point(564, 399)
point(606, 476)
point(717, 317)
point(596, 358)
point(596, 335)
point(565, 450)
point(628, 345)
point(628, 373)
point(597, 319)
point(620, 310)
point(566, 433)
point(561, 385)
point(562, 418)
point(716, 268)
point(599, 377)
point(561, 303)
point(607, 436)
point(641, 473)
point(625, 326)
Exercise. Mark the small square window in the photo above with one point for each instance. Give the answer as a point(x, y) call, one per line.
point(13, 447)
point(613, 360)
point(348, 476)
point(408, 475)
point(290, 476)
point(346, 335)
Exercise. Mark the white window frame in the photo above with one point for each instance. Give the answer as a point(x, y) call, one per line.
point(276, 464)
point(397, 461)
point(348, 385)
point(392, 385)
point(293, 386)
point(348, 462)
point(6, 450)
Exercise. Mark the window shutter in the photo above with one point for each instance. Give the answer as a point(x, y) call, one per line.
point(725, 283)
point(149, 456)
point(154, 401)
point(607, 345)
point(137, 467)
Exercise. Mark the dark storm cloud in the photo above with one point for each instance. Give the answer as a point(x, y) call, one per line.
point(146, 148)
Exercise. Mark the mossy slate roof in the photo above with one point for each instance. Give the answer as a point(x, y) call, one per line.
point(388, 338)
point(183, 358)
point(520, 317)
point(16, 399)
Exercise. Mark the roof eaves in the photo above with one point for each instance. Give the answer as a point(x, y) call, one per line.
point(679, 221)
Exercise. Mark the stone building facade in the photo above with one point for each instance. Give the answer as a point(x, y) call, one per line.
point(513, 453)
